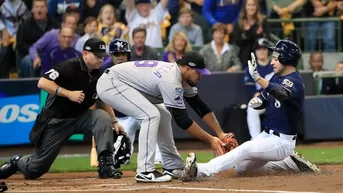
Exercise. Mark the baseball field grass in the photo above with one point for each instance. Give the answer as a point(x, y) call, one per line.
point(82, 164)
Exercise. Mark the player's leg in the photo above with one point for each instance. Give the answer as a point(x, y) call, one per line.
point(99, 123)
point(129, 101)
point(254, 122)
point(55, 134)
point(131, 125)
point(158, 156)
point(170, 157)
point(270, 148)
point(286, 164)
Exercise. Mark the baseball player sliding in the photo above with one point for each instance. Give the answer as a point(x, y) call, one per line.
point(283, 98)
point(152, 92)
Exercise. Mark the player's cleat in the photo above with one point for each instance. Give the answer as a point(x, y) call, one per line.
point(154, 176)
point(3, 187)
point(106, 168)
point(303, 164)
point(7, 169)
point(190, 171)
point(175, 174)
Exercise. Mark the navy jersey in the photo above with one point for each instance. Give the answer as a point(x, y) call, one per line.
point(252, 87)
point(285, 116)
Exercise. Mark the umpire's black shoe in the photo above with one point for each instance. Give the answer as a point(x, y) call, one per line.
point(106, 168)
point(7, 169)
point(3, 187)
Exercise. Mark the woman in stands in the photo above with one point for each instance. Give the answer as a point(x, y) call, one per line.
point(177, 47)
point(108, 25)
point(251, 25)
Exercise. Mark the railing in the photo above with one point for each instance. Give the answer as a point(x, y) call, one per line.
point(300, 32)
point(318, 76)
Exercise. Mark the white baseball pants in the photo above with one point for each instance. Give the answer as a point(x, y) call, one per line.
point(131, 126)
point(155, 123)
point(251, 155)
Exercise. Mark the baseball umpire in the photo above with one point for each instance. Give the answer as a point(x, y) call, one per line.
point(283, 98)
point(72, 94)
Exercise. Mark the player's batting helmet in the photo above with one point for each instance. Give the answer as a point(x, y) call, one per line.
point(290, 53)
point(119, 45)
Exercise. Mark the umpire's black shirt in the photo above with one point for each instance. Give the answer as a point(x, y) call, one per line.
point(72, 75)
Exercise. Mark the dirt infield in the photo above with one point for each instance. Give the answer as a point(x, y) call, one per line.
point(329, 181)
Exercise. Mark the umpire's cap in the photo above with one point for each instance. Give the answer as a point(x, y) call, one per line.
point(96, 46)
point(289, 52)
point(194, 60)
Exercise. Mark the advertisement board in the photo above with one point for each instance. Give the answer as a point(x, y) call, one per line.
point(17, 116)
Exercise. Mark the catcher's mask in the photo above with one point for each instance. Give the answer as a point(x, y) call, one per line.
point(122, 150)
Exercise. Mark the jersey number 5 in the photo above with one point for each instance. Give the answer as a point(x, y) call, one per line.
point(146, 63)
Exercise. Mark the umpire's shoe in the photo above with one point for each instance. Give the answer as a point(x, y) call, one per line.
point(7, 169)
point(106, 168)
point(303, 164)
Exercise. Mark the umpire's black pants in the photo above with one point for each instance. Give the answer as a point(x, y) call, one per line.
point(59, 131)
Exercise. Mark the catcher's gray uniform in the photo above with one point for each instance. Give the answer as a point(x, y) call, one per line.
point(137, 89)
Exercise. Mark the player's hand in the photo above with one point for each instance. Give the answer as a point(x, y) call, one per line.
point(255, 102)
point(252, 64)
point(118, 128)
point(76, 96)
point(217, 146)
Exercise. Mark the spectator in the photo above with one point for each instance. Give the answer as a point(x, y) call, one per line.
point(333, 85)
point(91, 9)
point(186, 25)
point(316, 62)
point(285, 9)
point(140, 51)
point(141, 14)
point(226, 12)
point(108, 26)
point(250, 26)
point(220, 55)
point(57, 8)
point(260, 48)
point(37, 25)
point(47, 41)
point(90, 27)
point(13, 13)
point(177, 47)
point(64, 51)
point(322, 9)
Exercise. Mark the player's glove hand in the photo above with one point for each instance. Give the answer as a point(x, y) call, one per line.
point(255, 102)
point(230, 142)
point(252, 64)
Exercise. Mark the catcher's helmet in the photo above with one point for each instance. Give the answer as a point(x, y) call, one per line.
point(119, 45)
point(290, 53)
point(122, 150)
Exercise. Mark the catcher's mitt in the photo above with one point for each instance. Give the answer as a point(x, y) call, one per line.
point(230, 142)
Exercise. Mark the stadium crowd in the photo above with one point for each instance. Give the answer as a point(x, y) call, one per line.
point(38, 34)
